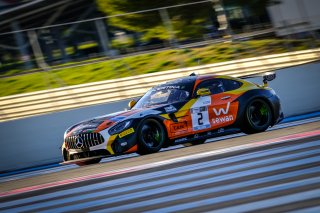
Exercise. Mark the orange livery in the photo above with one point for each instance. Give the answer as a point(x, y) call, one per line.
point(187, 110)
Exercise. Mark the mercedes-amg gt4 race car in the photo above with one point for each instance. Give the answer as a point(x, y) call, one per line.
point(187, 110)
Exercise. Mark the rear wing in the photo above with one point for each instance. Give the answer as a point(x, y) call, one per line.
point(268, 76)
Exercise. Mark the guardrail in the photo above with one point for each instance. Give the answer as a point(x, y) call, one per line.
point(35, 141)
point(29, 104)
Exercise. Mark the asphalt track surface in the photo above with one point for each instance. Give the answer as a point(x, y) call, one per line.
point(274, 171)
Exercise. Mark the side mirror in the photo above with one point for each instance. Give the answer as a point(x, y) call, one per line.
point(132, 103)
point(203, 92)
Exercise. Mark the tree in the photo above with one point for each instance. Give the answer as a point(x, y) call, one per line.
point(187, 21)
point(257, 7)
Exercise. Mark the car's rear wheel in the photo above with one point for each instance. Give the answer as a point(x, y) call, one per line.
point(258, 116)
point(151, 137)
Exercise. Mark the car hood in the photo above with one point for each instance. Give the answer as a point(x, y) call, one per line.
point(103, 122)
point(99, 123)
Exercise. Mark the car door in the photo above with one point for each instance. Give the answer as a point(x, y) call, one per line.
point(221, 108)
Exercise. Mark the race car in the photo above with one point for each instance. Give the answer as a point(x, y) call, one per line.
point(186, 110)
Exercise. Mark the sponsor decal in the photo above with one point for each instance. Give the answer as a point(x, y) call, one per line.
point(126, 132)
point(223, 115)
point(178, 127)
point(222, 110)
point(221, 130)
point(200, 109)
point(168, 87)
point(170, 109)
point(180, 140)
point(123, 143)
point(206, 126)
point(222, 119)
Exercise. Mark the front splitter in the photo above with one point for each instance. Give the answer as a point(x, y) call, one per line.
point(82, 160)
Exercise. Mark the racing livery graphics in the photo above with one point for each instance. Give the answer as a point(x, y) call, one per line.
point(187, 110)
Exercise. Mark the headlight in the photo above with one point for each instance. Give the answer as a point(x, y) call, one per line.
point(66, 132)
point(119, 127)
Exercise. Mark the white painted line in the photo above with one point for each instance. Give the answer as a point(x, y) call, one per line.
point(292, 198)
point(214, 200)
point(165, 162)
point(163, 173)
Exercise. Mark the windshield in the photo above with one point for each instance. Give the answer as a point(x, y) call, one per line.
point(163, 95)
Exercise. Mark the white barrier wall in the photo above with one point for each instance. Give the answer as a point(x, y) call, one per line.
point(36, 140)
point(84, 95)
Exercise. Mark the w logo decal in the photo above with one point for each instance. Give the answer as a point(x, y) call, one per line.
point(222, 110)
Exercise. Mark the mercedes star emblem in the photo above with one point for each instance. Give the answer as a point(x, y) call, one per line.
point(79, 142)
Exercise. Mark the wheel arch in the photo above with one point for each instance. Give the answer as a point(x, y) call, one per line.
point(250, 95)
point(160, 121)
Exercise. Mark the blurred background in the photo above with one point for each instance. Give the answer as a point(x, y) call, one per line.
point(47, 44)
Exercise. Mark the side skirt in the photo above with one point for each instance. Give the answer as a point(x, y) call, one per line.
point(206, 135)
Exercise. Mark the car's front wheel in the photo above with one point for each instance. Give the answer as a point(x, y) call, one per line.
point(258, 116)
point(151, 137)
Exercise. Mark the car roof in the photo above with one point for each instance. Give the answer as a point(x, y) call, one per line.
point(193, 78)
point(183, 80)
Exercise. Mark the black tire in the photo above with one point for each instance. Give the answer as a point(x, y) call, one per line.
point(89, 162)
point(151, 137)
point(257, 117)
point(194, 143)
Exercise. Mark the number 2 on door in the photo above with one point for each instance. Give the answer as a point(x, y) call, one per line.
point(200, 118)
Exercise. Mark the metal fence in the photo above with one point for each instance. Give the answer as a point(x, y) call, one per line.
point(30, 104)
point(79, 42)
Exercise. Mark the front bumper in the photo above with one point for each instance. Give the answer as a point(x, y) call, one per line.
point(112, 145)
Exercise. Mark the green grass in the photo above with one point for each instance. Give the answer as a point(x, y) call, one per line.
point(147, 63)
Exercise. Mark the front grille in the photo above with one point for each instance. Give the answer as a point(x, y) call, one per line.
point(85, 140)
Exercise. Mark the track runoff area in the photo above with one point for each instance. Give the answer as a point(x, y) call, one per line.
point(274, 171)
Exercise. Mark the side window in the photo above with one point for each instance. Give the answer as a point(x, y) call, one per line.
point(215, 86)
point(231, 84)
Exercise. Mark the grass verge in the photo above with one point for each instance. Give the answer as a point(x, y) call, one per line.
point(149, 63)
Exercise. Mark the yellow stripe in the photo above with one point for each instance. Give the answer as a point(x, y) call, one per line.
point(166, 116)
point(126, 132)
point(183, 111)
point(110, 142)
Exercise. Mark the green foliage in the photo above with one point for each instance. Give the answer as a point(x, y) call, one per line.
point(122, 43)
point(257, 7)
point(187, 21)
point(147, 63)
